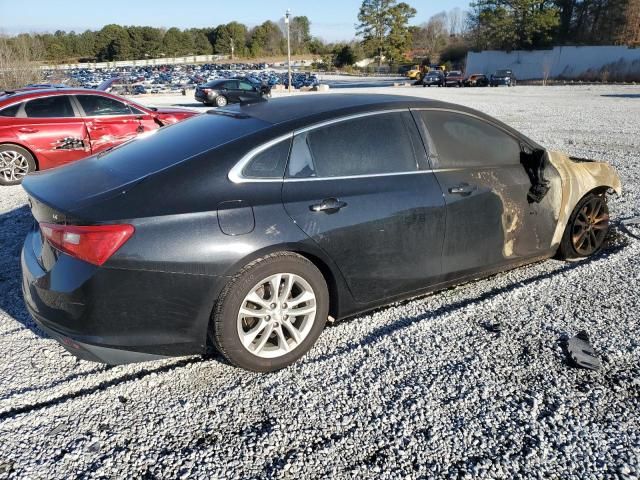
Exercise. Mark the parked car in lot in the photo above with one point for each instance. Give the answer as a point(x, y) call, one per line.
point(223, 92)
point(246, 227)
point(503, 77)
point(433, 78)
point(45, 128)
point(264, 86)
point(453, 78)
point(476, 80)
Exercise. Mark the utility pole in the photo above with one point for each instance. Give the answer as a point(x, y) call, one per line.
point(287, 22)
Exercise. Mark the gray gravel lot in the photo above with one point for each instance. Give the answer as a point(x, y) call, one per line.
point(418, 389)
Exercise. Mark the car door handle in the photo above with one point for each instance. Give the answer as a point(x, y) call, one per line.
point(463, 189)
point(27, 130)
point(328, 205)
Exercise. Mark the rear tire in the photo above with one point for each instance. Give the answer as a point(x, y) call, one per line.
point(221, 101)
point(586, 229)
point(15, 163)
point(279, 333)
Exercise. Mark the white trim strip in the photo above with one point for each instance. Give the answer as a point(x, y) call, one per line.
point(235, 174)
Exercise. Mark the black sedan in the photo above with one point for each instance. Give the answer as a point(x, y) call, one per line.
point(246, 227)
point(435, 78)
point(503, 77)
point(264, 87)
point(223, 92)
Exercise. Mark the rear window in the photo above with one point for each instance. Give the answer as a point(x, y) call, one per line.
point(11, 111)
point(173, 144)
point(269, 163)
point(57, 106)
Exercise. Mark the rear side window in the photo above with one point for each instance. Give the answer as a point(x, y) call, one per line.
point(463, 141)
point(57, 106)
point(269, 163)
point(11, 111)
point(97, 106)
point(231, 85)
point(375, 144)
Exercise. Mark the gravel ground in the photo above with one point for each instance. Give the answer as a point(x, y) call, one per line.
point(419, 389)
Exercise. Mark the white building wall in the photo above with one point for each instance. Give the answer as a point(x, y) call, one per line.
point(560, 62)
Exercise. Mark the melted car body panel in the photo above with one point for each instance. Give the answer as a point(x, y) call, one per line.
point(578, 179)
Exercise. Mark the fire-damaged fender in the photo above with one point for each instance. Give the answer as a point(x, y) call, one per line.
point(579, 177)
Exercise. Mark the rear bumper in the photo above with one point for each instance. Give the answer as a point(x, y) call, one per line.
point(118, 316)
point(93, 353)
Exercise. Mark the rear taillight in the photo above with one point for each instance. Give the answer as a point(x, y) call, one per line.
point(93, 244)
point(206, 90)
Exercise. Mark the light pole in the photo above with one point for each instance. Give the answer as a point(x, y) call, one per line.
point(287, 22)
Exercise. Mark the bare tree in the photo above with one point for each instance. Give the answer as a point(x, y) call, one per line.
point(432, 36)
point(456, 22)
point(18, 61)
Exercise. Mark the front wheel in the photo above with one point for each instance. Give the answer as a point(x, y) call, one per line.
point(587, 228)
point(221, 101)
point(15, 163)
point(271, 313)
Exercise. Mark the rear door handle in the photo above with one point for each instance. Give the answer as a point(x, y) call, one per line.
point(328, 205)
point(27, 130)
point(463, 189)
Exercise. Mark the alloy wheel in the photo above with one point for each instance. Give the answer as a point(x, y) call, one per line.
point(276, 315)
point(13, 165)
point(590, 226)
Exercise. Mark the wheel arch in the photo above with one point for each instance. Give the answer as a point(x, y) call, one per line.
point(340, 298)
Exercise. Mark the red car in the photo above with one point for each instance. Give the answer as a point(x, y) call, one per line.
point(45, 128)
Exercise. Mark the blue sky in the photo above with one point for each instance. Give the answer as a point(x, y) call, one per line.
point(330, 19)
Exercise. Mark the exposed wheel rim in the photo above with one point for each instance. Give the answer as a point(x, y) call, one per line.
point(221, 101)
point(590, 227)
point(276, 315)
point(13, 165)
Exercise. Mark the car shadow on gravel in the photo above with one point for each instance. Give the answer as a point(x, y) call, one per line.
point(621, 95)
point(616, 243)
point(14, 226)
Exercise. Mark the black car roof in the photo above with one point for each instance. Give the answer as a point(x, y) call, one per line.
point(295, 112)
point(307, 109)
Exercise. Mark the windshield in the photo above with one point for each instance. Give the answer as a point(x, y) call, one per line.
point(503, 73)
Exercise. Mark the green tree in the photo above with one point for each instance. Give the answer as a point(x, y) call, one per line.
point(112, 43)
point(514, 24)
point(176, 43)
point(200, 41)
point(384, 28)
point(87, 44)
point(345, 55)
point(232, 34)
point(266, 40)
